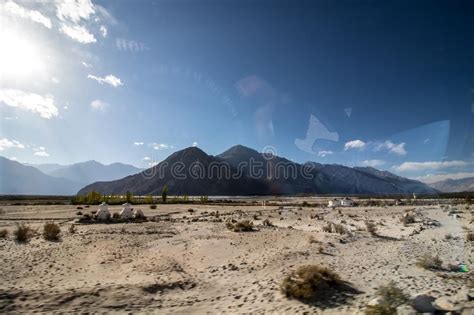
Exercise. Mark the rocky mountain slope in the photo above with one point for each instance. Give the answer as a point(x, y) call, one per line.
point(454, 185)
point(244, 171)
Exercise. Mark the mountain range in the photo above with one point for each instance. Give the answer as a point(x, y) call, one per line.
point(244, 171)
point(56, 179)
point(455, 185)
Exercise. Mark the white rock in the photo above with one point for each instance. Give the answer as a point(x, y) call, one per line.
point(126, 212)
point(103, 212)
point(445, 304)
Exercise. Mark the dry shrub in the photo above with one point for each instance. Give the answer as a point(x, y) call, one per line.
point(242, 226)
point(23, 233)
point(408, 218)
point(336, 228)
point(310, 282)
point(72, 229)
point(3, 233)
point(51, 231)
point(430, 262)
point(313, 240)
point(392, 297)
point(470, 236)
point(371, 228)
point(152, 206)
point(267, 222)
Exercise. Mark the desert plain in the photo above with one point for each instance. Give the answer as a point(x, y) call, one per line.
point(185, 259)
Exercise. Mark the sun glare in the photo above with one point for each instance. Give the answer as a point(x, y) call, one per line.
point(19, 57)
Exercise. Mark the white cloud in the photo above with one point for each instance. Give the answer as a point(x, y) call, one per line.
point(373, 163)
point(159, 146)
point(195, 144)
point(391, 147)
point(86, 65)
point(146, 158)
point(103, 31)
point(109, 79)
point(41, 153)
point(323, 153)
point(33, 15)
point(354, 144)
point(430, 165)
point(138, 143)
point(41, 104)
point(74, 10)
point(431, 178)
point(99, 105)
point(55, 80)
point(78, 33)
point(8, 144)
point(129, 45)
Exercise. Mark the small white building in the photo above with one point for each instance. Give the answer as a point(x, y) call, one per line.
point(347, 202)
point(126, 212)
point(334, 203)
point(103, 212)
point(138, 214)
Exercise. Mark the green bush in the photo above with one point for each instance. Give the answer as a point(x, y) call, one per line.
point(310, 283)
point(51, 231)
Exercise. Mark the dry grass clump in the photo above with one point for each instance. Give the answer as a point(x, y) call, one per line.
point(470, 236)
point(152, 206)
point(371, 227)
point(3, 233)
point(242, 226)
point(72, 229)
point(310, 283)
point(392, 297)
point(430, 262)
point(51, 231)
point(408, 218)
point(23, 233)
point(267, 222)
point(313, 240)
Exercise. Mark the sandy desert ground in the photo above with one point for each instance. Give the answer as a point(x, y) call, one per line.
point(189, 262)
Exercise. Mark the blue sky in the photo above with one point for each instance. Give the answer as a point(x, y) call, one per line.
point(386, 84)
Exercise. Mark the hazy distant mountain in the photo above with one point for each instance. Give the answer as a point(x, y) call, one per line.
point(92, 171)
point(252, 173)
point(454, 185)
point(19, 179)
point(46, 167)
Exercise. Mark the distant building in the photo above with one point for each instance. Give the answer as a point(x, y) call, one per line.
point(347, 202)
point(103, 212)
